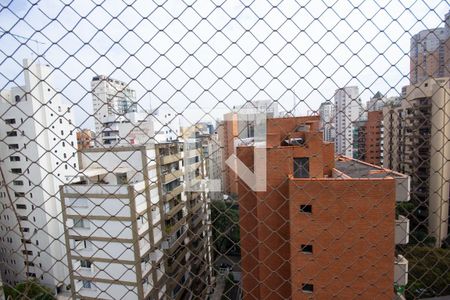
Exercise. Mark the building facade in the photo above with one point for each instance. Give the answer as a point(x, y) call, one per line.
point(416, 132)
point(348, 109)
point(324, 228)
point(37, 154)
point(430, 53)
point(133, 230)
point(327, 121)
point(110, 98)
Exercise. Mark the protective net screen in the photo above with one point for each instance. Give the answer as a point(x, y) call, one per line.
point(224, 149)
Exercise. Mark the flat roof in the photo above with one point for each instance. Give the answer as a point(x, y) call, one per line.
point(358, 169)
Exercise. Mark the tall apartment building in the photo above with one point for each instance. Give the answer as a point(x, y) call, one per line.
point(134, 128)
point(110, 98)
point(416, 132)
point(133, 231)
point(348, 109)
point(324, 228)
point(37, 154)
point(430, 53)
point(368, 138)
point(327, 121)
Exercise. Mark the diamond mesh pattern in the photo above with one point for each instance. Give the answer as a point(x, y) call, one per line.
point(117, 119)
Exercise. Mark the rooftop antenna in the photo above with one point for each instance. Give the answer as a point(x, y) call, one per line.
point(26, 39)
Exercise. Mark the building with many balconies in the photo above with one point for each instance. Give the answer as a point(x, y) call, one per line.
point(133, 230)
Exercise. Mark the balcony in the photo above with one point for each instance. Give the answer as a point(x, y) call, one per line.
point(171, 158)
point(175, 192)
point(400, 271)
point(402, 230)
point(172, 175)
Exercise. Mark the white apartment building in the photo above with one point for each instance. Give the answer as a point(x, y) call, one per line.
point(167, 126)
point(327, 121)
point(135, 128)
point(110, 98)
point(132, 231)
point(348, 109)
point(37, 154)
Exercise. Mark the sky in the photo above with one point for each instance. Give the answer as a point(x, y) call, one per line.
point(199, 59)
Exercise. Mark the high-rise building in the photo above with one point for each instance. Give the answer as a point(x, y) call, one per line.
point(134, 128)
point(327, 121)
point(430, 53)
point(110, 98)
point(416, 142)
point(324, 228)
point(133, 230)
point(368, 138)
point(37, 154)
point(348, 109)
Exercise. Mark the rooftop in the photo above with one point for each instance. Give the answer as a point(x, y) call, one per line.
point(358, 169)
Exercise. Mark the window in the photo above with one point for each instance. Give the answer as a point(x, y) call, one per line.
point(13, 146)
point(301, 167)
point(85, 264)
point(307, 287)
point(10, 121)
point(11, 133)
point(306, 249)
point(21, 206)
point(18, 182)
point(87, 284)
point(122, 178)
point(306, 208)
point(14, 158)
point(23, 218)
point(19, 194)
point(81, 223)
point(17, 98)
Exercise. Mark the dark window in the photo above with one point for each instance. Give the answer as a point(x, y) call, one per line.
point(16, 171)
point(17, 182)
point(10, 121)
point(21, 206)
point(19, 194)
point(13, 146)
point(307, 287)
point(301, 167)
point(14, 158)
point(17, 97)
point(306, 208)
point(306, 248)
point(11, 133)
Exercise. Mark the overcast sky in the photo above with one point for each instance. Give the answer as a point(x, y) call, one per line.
point(200, 58)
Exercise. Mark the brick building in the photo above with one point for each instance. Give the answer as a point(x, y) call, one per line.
point(324, 227)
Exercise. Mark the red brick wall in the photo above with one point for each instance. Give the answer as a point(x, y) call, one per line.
point(373, 137)
point(351, 229)
point(264, 216)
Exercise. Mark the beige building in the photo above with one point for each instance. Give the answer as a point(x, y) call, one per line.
point(416, 142)
point(132, 230)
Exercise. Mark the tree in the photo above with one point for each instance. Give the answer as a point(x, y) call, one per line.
point(30, 289)
point(429, 272)
point(225, 227)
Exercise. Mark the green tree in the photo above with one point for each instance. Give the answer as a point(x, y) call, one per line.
point(429, 272)
point(30, 289)
point(225, 226)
